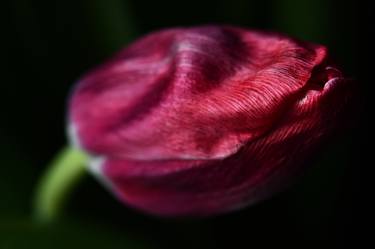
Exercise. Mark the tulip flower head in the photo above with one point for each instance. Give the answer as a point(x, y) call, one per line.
point(204, 120)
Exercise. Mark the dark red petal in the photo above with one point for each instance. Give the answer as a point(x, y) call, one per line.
point(190, 93)
point(262, 167)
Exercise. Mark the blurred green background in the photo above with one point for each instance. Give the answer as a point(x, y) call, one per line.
point(49, 44)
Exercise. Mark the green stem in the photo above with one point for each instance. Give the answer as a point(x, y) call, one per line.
point(53, 189)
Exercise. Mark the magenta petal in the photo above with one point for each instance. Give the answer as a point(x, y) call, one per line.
point(203, 120)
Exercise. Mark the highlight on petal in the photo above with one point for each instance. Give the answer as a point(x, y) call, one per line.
point(203, 120)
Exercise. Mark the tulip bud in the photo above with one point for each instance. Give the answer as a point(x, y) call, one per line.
point(204, 120)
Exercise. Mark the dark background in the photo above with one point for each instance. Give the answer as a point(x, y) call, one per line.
point(48, 45)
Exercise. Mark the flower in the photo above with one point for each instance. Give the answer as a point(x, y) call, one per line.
point(204, 120)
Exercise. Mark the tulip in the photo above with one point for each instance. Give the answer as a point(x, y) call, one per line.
point(204, 120)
